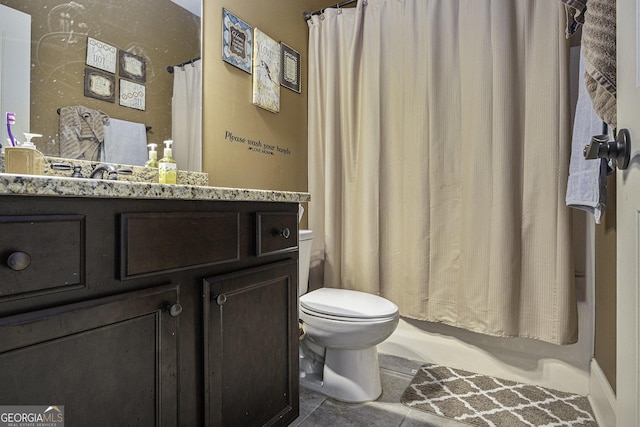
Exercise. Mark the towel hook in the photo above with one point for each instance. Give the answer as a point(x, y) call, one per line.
point(618, 150)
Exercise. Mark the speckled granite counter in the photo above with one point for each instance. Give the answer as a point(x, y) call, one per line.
point(32, 185)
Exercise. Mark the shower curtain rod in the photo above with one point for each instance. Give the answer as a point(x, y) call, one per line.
point(191, 61)
point(308, 15)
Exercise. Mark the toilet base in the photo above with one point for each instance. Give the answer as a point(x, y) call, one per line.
point(348, 375)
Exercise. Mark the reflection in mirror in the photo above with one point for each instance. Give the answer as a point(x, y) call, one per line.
point(155, 34)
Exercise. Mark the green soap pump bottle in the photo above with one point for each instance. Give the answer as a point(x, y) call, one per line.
point(167, 167)
point(153, 156)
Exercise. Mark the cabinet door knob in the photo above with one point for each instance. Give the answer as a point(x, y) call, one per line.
point(175, 310)
point(18, 261)
point(285, 232)
point(221, 299)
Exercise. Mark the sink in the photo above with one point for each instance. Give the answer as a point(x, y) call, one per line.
point(75, 168)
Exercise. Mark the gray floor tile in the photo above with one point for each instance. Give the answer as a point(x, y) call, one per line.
point(309, 402)
point(393, 385)
point(316, 410)
point(398, 364)
point(332, 413)
point(423, 419)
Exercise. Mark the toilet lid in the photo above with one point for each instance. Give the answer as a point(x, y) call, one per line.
point(347, 303)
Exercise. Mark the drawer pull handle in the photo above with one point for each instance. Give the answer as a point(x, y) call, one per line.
point(221, 299)
point(285, 233)
point(18, 261)
point(175, 310)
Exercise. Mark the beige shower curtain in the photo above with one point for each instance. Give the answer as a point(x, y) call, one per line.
point(438, 161)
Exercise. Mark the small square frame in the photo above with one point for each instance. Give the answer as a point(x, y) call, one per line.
point(132, 67)
point(101, 55)
point(99, 85)
point(290, 68)
point(132, 95)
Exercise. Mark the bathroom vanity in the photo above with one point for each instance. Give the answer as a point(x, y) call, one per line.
point(148, 304)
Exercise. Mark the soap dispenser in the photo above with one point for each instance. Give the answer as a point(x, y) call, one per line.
point(25, 159)
point(153, 156)
point(27, 137)
point(167, 167)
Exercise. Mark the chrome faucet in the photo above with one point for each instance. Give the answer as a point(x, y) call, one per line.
point(98, 172)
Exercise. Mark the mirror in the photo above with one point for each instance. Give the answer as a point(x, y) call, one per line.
point(161, 32)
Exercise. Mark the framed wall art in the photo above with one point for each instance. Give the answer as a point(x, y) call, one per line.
point(132, 67)
point(290, 66)
point(237, 41)
point(132, 95)
point(101, 55)
point(99, 85)
point(266, 72)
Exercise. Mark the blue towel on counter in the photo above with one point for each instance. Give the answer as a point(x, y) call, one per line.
point(587, 184)
point(125, 143)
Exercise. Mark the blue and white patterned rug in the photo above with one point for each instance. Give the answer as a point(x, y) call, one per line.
point(488, 401)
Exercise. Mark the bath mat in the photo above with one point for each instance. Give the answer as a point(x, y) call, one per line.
point(487, 401)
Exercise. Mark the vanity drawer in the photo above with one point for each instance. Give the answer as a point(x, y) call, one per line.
point(276, 232)
point(41, 254)
point(161, 242)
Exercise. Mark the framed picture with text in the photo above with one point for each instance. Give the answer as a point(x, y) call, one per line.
point(237, 41)
point(99, 85)
point(266, 72)
point(101, 55)
point(132, 95)
point(290, 67)
point(132, 66)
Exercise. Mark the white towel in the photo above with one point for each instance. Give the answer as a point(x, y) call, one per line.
point(587, 185)
point(125, 143)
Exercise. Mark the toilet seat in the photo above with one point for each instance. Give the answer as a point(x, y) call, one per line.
point(312, 314)
point(347, 305)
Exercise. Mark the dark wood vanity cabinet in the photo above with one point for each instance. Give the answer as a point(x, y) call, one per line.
point(109, 361)
point(150, 312)
point(250, 380)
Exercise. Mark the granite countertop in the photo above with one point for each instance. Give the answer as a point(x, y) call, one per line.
point(42, 185)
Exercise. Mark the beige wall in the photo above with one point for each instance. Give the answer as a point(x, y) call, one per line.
point(227, 105)
point(605, 293)
point(159, 30)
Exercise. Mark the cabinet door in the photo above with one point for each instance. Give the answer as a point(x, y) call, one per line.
point(109, 361)
point(251, 347)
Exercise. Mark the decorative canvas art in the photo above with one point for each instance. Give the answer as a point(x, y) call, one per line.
point(266, 72)
point(237, 41)
point(101, 55)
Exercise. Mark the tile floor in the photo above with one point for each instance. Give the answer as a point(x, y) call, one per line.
point(318, 410)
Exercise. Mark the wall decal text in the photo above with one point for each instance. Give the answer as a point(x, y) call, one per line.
point(257, 146)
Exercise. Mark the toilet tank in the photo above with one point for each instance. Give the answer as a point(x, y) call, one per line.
point(304, 258)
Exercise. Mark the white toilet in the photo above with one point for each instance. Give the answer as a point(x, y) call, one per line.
point(338, 354)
